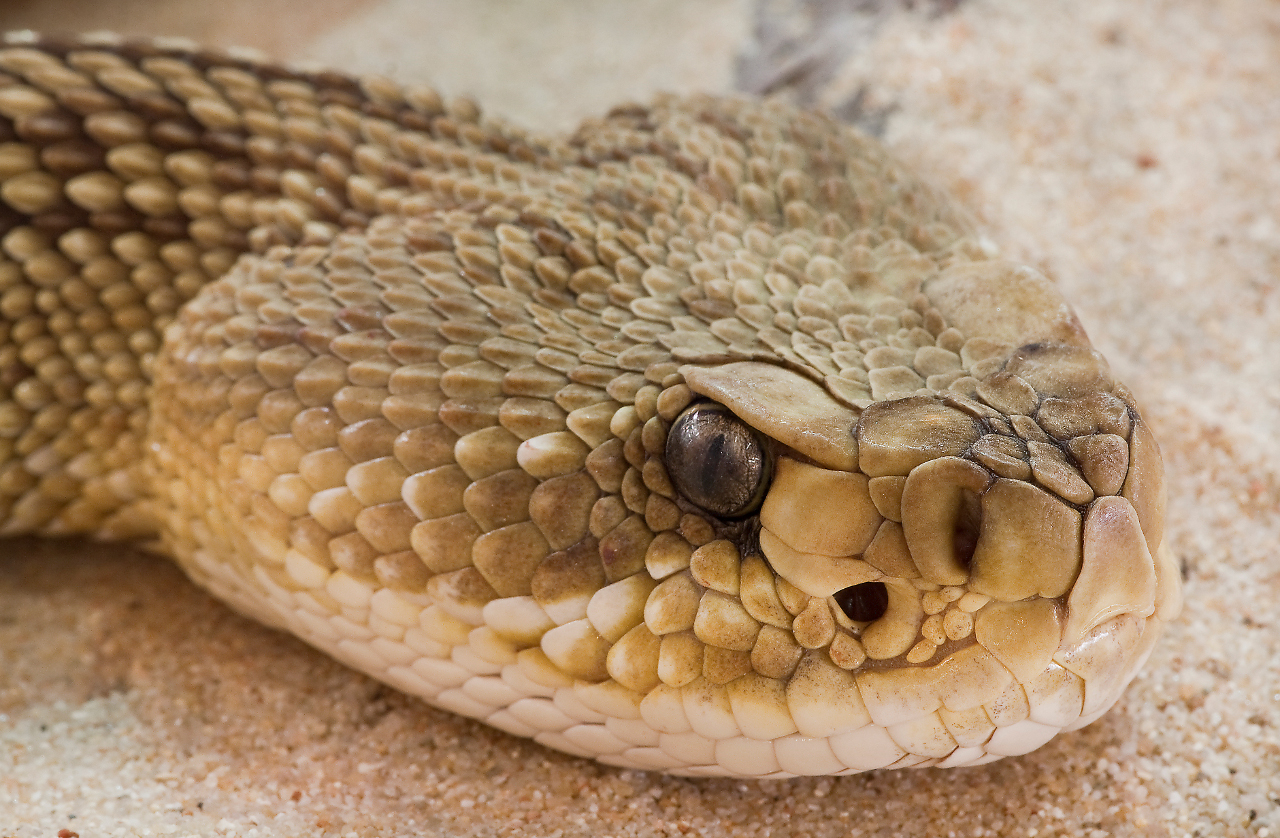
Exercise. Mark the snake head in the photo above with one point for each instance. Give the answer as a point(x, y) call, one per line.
point(944, 576)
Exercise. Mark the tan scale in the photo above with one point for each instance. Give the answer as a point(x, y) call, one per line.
point(705, 439)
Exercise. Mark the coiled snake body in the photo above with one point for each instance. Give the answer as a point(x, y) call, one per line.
point(705, 439)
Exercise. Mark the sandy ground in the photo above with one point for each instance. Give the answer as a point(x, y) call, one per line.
point(1131, 150)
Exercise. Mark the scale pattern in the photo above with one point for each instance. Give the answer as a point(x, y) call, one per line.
point(399, 379)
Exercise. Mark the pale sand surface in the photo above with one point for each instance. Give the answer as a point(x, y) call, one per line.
point(1132, 150)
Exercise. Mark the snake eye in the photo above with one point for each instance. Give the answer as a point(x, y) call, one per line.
point(717, 461)
point(863, 603)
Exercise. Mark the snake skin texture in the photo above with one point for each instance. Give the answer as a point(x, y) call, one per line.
point(705, 439)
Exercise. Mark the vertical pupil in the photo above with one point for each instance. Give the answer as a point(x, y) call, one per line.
point(712, 461)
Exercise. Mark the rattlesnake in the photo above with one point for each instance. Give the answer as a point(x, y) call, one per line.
point(705, 439)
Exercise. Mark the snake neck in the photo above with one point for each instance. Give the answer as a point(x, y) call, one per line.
point(130, 177)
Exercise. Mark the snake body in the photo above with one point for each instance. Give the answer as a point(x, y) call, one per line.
point(705, 439)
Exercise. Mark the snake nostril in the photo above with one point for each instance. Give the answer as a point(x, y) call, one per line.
point(968, 527)
point(863, 603)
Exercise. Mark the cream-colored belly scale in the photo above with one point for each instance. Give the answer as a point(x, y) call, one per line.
point(705, 439)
